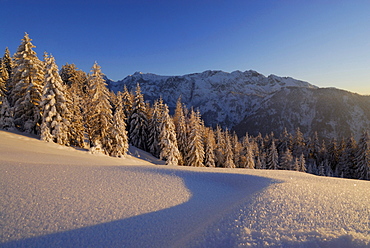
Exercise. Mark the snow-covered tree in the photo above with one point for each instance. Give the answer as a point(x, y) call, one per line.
point(363, 157)
point(346, 165)
point(154, 127)
point(209, 147)
point(195, 150)
point(247, 160)
point(99, 114)
point(118, 132)
point(272, 159)
point(138, 122)
point(4, 77)
point(167, 140)
point(219, 149)
point(55, 113)
point(229, 155)
point(6, 115)
point(28, 80)
point(180, 121)
point(8, 65)
point(286, 160)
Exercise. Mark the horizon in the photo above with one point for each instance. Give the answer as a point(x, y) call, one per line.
point(325, 44)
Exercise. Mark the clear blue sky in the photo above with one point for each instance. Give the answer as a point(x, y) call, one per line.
point(326, 43)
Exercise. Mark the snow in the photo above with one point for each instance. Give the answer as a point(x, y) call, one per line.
point(55, 196)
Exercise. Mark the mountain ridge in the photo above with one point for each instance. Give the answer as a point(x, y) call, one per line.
point(249, 102)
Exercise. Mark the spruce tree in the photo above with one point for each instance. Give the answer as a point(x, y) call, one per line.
point(167, 140)
point(195, 150)
point(220, 146)
point(229, 155)
point(28, 81)
point(180, 121)
point(99, 114)
point(118, 132)
point(4, 77)
point(55, 125)
point(272, 159)
point(6, 115)
point(286, 160)
point(9, 65)
point(138, 122)
point(363, 157)
point(209, 147)
point(154, 127)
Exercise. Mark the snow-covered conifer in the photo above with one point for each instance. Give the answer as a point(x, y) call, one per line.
point(286, 160)
point(180, 121)
point(248, 155)
point(272, 159)
point(4, 77)
point(195, 150)
point(138, 122)
point(27, 80)
point(8, 65)
point(167, 140)
point(154, 127)
point(209, 147)
point(229, 155)
point(55, 125)
point(119, 146)
point(99, 117)
point(6, 115)
point(363, 157)
point(346, 165)
point(219, 150)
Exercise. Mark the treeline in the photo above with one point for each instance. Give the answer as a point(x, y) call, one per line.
point(72, 108)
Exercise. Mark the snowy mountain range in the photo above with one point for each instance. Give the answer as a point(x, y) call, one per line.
point(251, 102)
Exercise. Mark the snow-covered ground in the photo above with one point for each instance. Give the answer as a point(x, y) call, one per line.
point(54, 196)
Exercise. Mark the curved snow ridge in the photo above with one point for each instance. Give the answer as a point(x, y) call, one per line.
point(304, 211)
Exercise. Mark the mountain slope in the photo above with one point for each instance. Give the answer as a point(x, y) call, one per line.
point(250, 102)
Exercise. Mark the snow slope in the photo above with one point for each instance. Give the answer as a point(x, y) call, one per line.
point(53, 196)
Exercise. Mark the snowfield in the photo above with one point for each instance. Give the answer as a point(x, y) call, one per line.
point(54, 196)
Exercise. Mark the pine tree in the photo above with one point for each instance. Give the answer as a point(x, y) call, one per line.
point(54, 127)
point(298, 143)
point(27, 79)
point(138, 122)
point(195, 150)
point(363, 158)
point(118, 132)
point(167, 140)
point(100, 111)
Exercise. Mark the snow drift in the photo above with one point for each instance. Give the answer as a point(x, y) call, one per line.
point(55, 196)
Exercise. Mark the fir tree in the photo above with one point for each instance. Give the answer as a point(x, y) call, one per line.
point(138, 122)
point(54, 127)
point(209, 147)
point(167, 140)
point(195, 150)
point(363, 157)
point(220, 146)
point(248, 158)
point(180, 122)
point(286, 160)
point(4, 77)
point(154, 128)
point(9, 65)
point(6, 115)
point(118, 132)
point(272, 160)
point(100, 110)
point(27, 79)
point(229, 155)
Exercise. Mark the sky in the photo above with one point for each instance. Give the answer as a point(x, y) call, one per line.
point(326, 43)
